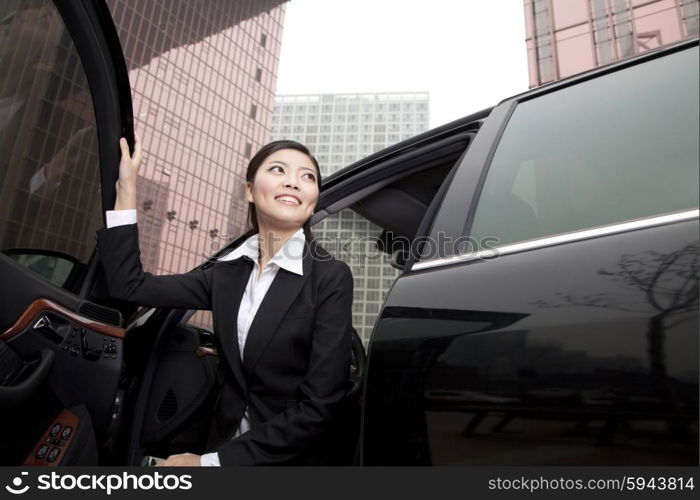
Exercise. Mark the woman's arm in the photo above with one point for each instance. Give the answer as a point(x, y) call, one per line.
point(120, 256)
point(301, 427)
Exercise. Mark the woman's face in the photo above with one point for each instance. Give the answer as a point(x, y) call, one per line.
point(284, 189)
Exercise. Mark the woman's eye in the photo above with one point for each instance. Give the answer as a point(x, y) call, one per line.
point(277, 166)
point(310, 176)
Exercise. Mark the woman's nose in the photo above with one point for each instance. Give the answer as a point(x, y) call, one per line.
point(291, 182)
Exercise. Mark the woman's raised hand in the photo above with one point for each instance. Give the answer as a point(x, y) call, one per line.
point(128, 173)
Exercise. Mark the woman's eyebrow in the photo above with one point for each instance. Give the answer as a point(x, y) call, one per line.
point(286, 165)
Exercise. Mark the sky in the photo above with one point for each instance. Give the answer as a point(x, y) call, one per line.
point(468, 54)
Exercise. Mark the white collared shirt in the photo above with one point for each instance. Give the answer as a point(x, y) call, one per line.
point(289, 257)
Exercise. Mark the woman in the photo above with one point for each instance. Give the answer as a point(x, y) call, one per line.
point(281, 308)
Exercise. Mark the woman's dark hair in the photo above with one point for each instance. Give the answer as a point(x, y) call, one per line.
point(255, 164)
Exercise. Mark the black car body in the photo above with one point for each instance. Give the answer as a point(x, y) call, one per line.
point(552, 314)
point(546, 310)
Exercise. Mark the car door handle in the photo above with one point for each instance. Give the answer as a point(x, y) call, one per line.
point(45, 327)
point(16, 395)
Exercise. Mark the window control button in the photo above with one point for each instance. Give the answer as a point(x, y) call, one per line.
point(53, 455)
point(42, 451)
point(66, 432)
point(55, 430)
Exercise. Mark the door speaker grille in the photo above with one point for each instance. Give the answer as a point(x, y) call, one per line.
point(167, 408)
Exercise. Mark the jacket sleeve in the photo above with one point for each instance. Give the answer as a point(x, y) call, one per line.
point(118, 248)
point(301, 427)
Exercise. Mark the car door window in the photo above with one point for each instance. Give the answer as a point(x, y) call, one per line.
point(49, 175)
point(616, 148)
point(352, 238)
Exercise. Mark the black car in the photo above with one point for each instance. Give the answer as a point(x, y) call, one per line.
point(545, 309)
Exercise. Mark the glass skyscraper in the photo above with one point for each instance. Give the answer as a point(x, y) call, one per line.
point(203, 75)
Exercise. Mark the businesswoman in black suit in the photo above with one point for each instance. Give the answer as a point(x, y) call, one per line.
point(281, 309)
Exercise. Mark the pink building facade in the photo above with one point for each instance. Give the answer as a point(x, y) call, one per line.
point(203, 78)
point(566, 37)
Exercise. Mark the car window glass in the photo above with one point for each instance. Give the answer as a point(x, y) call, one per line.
point(49, 175)
point(352, 238)
point(54, 268)
point(620, 147)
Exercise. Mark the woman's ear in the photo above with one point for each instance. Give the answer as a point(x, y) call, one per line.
point(249, 191)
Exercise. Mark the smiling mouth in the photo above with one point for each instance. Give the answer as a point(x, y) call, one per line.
point(288, 200)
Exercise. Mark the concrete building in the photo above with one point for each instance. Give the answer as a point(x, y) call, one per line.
point(566, 37)
point(340, 129)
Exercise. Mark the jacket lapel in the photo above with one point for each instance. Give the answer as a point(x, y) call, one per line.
point(234, 278)
point(283, 290)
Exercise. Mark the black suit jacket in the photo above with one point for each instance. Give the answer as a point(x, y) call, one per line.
point(296, 359)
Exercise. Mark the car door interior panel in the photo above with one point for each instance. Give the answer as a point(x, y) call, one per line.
point(184, 381)
point(58, 354)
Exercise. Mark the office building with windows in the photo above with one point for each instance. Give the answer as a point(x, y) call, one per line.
point(340, 129)
point(203, 76)
point(566, 37)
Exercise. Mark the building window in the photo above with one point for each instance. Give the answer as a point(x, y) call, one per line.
point(543, 41)
point(601, 31)
point(623, 28)
point(263, 40)
point(258, 75)
point(253, 111)
point(248, 150)
point(689, 13)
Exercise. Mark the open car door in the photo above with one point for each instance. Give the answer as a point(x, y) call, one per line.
point(64, 102)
